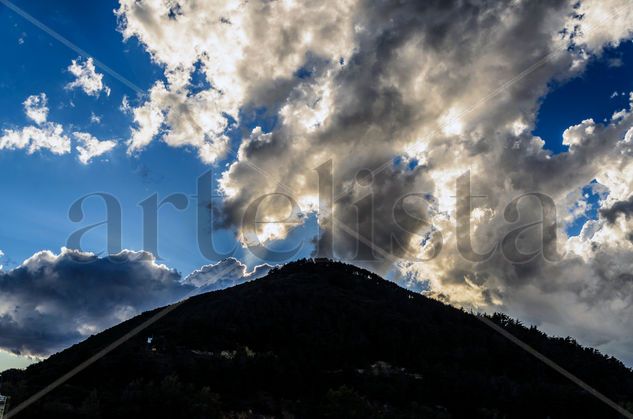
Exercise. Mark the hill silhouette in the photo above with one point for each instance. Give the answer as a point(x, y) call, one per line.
point(322, 339)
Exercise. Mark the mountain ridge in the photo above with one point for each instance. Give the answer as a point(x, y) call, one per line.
point(369, 347)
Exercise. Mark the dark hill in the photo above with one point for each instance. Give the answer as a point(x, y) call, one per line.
point(322, 339)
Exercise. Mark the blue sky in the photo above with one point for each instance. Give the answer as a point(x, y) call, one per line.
point(39, 189)
point(597, 93)
point(590, 95)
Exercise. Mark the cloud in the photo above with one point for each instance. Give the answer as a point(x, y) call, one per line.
point(125, 105)
point(89, 147)
point(241, 61)
point(403, 92)
point(224, 274)
point(601, 23)
point(149, 119)
point(424, 92)
point(48, 136)
point(94, 118)
point(53, 300)
point(184, 119)
point(36, 108)
point(618, 208)
point(87, 78)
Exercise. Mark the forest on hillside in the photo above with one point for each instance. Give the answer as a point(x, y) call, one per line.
point(317, 338)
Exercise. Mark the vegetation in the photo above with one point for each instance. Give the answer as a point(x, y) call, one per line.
point(323, 339)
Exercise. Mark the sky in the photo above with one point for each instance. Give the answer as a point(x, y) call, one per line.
point(136, 101)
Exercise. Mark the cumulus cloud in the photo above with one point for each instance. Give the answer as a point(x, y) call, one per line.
point(601, 23)
point(223, 274)
point(54, 300)
point(87, 78)
point(89, 147)
point(420, 93)
point(183, 120)
point(44, 135)
point(48, 136)
point(406, 92)
point(36, 108)
point(247, 51)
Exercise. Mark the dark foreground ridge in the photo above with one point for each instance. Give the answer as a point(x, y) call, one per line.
point(322, 339)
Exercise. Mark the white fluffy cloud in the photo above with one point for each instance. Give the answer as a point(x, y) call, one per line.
point(51, 136)
point(603, 23)
point(48, 136)
point(87, 78)
point(443, 87)
point(44, 135)
point(89, 147)
point(36, 108)
point(247, 51)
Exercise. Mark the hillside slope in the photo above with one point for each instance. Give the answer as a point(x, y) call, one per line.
point(322, 339)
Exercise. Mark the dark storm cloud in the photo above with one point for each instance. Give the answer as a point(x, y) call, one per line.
point(52, 301)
